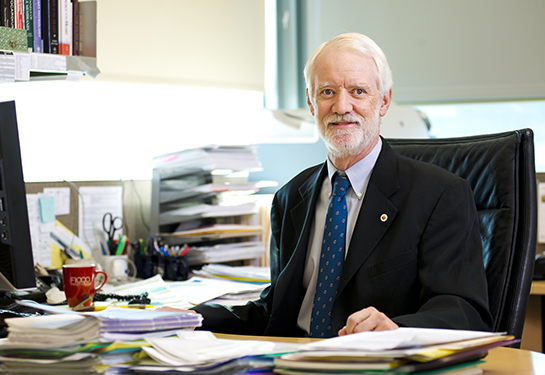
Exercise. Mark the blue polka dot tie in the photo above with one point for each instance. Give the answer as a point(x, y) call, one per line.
point(331, 260)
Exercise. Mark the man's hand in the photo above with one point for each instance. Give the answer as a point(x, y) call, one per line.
point(368, 319)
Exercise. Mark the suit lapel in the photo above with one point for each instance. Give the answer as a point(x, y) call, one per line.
point(376, 214)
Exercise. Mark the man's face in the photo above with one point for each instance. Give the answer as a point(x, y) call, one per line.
point(346, 102)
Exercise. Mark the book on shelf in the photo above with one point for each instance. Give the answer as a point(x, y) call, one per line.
point(46, 30)
point(37, 26)
point(8, 13)
point(65, 27)
point(29, 23)
point(19, 24)
point(54, 27)
point(50, 25)
point(86, 29)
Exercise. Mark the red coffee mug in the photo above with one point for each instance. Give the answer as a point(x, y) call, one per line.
point(79, 283)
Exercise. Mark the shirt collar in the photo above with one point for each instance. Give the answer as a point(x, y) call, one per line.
point(360, 173)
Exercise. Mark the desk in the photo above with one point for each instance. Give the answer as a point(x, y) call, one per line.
point(499, 361)
point(532, 335)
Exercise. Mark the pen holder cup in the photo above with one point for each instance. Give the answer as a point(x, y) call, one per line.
point(146, 265)
point(119, 267)
point(174, 268)
point(169, 267)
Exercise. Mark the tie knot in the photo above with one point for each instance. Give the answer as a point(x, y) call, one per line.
point(340, 184)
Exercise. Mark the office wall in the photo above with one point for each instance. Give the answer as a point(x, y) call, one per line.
point(439, 51)
point(217, 43)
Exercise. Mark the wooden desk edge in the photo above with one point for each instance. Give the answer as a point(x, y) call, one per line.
point(538, 287)
point(297, 340)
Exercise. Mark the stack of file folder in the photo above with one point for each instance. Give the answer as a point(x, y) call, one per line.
point(72, 341)
point(401, 351)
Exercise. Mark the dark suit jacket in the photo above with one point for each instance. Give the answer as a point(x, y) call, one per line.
point(422, 267)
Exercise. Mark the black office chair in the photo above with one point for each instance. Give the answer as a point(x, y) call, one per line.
point(501, 170)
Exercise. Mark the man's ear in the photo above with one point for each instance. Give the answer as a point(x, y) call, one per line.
point(309, 102)
point(386, 101)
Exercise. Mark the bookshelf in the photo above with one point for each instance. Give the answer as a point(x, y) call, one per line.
point(39, 66)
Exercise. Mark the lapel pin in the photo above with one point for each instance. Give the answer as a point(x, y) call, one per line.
point(383, 217)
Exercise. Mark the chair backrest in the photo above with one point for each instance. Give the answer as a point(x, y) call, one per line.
point(501, 171)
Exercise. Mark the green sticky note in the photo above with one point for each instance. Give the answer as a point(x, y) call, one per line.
point(47, 209)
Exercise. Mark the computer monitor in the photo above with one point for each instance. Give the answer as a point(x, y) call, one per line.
point(16, 261)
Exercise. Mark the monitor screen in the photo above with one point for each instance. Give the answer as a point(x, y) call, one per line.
point(16, 261)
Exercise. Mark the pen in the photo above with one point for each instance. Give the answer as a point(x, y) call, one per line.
point(184, 250)
point(103, 248)
point(100, 308)
point(120, 245)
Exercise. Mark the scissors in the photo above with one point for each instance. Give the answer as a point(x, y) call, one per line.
point(111, 224)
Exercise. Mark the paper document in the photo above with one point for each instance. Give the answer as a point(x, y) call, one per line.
point(198, 290)
point(241, 273)
point(401, 338)
point(94, 202)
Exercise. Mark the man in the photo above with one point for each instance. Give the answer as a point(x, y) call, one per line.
point(410, 238)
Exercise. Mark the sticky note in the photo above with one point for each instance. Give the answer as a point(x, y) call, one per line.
point(47, 209)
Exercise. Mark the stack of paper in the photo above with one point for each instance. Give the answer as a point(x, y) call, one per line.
point(225, 252)
point(80, 359)
point(206, 210)
point(215, 232)
point(211, 157)
point(108, 325)
point(407, 350)
point(200, 352)
point(251, 274)
point(198, 290)
point(60, 343)
point(402, 351)
point(168, 194)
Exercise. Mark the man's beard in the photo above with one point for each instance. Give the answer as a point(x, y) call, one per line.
point(342, 143)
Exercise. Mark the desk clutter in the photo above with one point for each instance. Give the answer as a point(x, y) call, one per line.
point(153, 342)
point(141, 328)
point(110, 331)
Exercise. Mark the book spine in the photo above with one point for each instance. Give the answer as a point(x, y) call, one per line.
point(2, 13)
point(65, 39)
point(45, 26)
point(29, 24)
point(11, 13)
point(75, 28)
point(19, 24)
point(37, 17)
point(54, 26)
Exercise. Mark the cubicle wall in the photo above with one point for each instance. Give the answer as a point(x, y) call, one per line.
point(136, 203)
